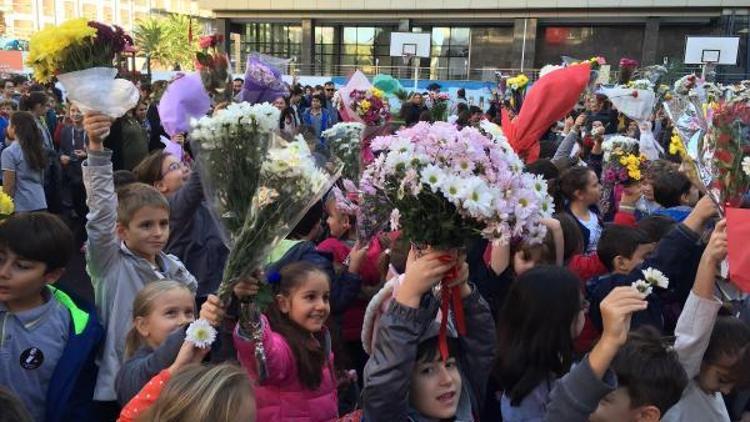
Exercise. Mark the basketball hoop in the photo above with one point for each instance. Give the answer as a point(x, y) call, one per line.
point(407, 58)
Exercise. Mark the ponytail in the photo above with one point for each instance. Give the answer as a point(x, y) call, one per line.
point(133, 342)
point(30, 138)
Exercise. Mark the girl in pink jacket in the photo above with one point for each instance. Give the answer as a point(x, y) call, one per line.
point(300, 384)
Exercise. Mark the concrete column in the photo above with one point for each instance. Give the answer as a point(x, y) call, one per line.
point(524, 43)
point(650, 42)
point(308, 47)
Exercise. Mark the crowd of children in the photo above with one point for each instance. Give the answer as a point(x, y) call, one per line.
point(554, 331)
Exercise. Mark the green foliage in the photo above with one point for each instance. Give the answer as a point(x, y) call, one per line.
point(165, 40)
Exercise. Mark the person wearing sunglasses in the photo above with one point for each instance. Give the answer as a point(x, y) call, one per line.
point(330, 90)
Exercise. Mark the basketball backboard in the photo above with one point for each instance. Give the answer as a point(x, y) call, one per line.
point(410, 44)
point(711, 50)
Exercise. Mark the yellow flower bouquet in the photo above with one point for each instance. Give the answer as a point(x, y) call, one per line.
point(81, 54)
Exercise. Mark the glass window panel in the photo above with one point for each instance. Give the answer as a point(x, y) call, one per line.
point(457, 67)
point(350, 35)
point(365, 60)
point(460, 36)
point(349, 49)
point(441, 36)
point(22, 6)
point(295, 34)
point(365, 35)
point(348, 60)
point(382, 50)
point(89, 11)
point(69, 10)
point(48, 7)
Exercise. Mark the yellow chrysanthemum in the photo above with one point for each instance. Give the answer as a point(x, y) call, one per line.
point(6, 204)
point(634, 174)
point(377, 93)
point(47, 48)
point(675, 145)
point(365, 105)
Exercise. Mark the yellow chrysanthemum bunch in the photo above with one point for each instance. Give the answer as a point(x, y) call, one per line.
point(675, 145)
point(365, 105)
point(47, 48)
point(377, 93)
point(633, 164)
point(6, 205)
point(518, 82)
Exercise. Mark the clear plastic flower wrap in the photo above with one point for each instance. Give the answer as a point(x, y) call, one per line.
point(290, 183)
point(85, 87)
point(230, 147)
point(344, 140)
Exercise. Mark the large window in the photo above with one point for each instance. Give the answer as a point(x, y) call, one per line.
point(365, 47)
point(450, 52)
point(326, 51)
point(611, 42)
point(274, 39)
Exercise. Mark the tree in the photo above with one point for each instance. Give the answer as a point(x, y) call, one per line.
point(150, 38)
point(165, 40)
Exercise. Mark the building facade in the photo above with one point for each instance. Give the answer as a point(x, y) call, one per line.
point(473, 38)
point(23, 17)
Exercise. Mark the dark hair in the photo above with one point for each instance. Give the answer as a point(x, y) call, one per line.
point(573, 179)
point(30, 138)
point(618, 240)
point(730, 338)
point(655, 227)
point(428, 349)
point(669, 186)
point(544, 168)
point(238, 79)
point(148, 171)
point(462, 108)
point(461, 93)
point(123, 178)
point(571, 235)
point(329, 83)
point(650, 370)
point(32, 99)
point(312, 218)
point(310, 356)
point(534, 339)
point(474, 109)
point(13, 408)
point(320, 98)
point(38, 236)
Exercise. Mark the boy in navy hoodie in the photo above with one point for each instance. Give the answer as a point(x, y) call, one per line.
point(48, 340)
point(677, 256)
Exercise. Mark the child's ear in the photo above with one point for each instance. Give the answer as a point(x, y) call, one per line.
point(121, 230)
point(54, 275)
point(141, 325)
point(283, 303)
point(648, 413)
point(161, 187)
point(619, 263)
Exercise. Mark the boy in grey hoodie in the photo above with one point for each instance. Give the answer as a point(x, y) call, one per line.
point(126, 234)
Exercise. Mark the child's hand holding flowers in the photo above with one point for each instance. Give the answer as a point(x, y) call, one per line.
point(422, 273)
point(212, 310)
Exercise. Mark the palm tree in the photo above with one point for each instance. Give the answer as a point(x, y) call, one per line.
point(151, 40)
point(181, 50)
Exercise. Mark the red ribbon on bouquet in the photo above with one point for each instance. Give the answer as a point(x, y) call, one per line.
point(450, 297)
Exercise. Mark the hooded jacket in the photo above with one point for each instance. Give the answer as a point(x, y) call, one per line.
point(116, 273)
point(394, 353)
point(72, 385)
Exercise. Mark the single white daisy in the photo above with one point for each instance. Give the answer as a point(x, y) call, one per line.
point(656, 278)
point(643, 287)
point(746, 165)
point(200, 333)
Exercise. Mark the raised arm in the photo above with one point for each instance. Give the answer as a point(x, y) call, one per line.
point(697, 319)
point(102, 244)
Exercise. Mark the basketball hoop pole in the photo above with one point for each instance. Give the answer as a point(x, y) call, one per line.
point(416, 74)
point(708, 67)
